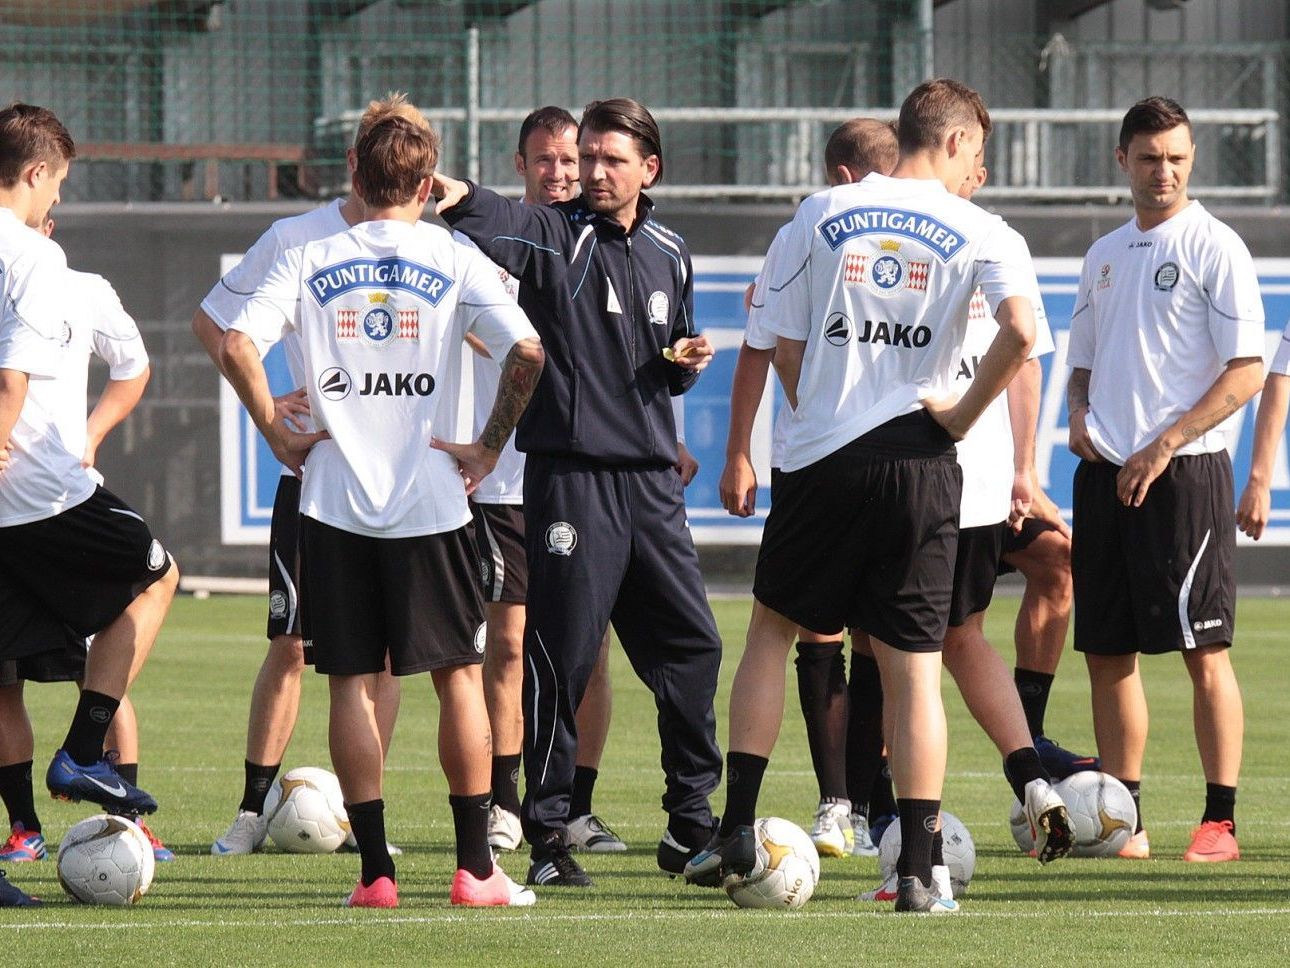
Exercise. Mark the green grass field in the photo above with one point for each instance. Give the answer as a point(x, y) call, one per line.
point(273, 908)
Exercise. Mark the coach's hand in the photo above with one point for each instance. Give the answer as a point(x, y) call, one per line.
point(1140, 472)
point(474, 461)
point(448, 191)
point(691, 352)
point(1081, 444)
point(738, 486)
point(687, 465)
point(290, 407)
point(1252, 512)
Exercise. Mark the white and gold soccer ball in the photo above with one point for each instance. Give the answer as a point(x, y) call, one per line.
point(105, 859)
point(306, 812)
point(1102, 813)
point(786, 870)
point(958, 849)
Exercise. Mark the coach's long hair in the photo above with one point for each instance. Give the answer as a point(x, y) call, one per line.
point(28, 136)
point(391, 159)
point(631, 118)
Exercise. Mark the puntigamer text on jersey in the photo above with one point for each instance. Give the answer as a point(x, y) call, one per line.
point(394, 273)
point(854, 222)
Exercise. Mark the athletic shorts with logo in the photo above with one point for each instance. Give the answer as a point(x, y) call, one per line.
point(1157, 578)
point(976, 569)
point(79, 569)
point(865, 538)
point(503, 562)
point(418, 598)
point(284, 559)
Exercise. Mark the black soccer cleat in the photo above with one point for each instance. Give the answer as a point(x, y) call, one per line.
point(674, 855)
point(914, 897)
point(723, 856)
point(12, 896)
point(553, 865)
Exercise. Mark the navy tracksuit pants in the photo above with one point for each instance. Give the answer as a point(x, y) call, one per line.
point(611, 544)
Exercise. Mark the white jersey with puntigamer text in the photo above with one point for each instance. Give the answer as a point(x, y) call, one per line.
point(1158, 316)
point(986, 453)
point(226, 298)
point(876, 278)
point(44, 334)
point(382, 311)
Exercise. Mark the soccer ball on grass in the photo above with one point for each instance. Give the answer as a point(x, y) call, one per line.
point(306, 812)
point(786, 870)
point(958, 849)
point(105, 859)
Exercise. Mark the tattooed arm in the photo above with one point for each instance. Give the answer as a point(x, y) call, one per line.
point(520, 372)
point(1232, 390)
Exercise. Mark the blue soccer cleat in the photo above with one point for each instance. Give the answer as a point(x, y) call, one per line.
point(735, 853)
point(100, 783)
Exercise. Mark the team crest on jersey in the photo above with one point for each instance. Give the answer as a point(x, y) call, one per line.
point(277, 605)
point(942, 239)
point(890, 272)
point(379, 322)
point(1166, 277)
point(1104, 276)
point(657, 307)
point(156, 556)
point(561, 539)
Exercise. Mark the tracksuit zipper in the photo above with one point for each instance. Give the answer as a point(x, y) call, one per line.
point(631, 329)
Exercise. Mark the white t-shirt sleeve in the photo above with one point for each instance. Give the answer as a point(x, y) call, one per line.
point(230, 294)
point(490, 312)
point(1003, 268)
point(787, 307)
point(1281, 359)
point(755, 333)
point(33, 320)
point(1235, 304)
point(274, 307)
point(1079, 354)
point(116, 336)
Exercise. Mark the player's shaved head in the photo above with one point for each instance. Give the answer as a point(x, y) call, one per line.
point(862, 145)
point(392, 159)
point(934, 109)
point(30, 135)
point(393, 105)
point(1152, 115)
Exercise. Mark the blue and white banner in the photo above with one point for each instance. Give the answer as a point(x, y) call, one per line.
point(250, 474)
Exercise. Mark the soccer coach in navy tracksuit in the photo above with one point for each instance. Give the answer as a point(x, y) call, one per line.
point(609, 290)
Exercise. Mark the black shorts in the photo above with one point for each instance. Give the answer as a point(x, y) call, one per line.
point(499, 532)
point(65, 662)
point(976, 567)
point(284, 559)
point(865, 537)
point(1156, 578)
point(82, 567)
point(1015, 542)
point(416, 598)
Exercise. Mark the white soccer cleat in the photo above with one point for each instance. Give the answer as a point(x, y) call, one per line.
point(593, 835)
point(504, 832)
point(244, 836)
point(886, 891)
point(831, 832)
point(1049, 820)
point(862, 844)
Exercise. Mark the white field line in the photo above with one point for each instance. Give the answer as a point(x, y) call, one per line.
point(366, 919)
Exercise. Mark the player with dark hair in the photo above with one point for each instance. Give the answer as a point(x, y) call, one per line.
point(1166, 346)
point(611, 293)
point(71, 553)
point(275, 699)
point(390, 568)
point(870, 309)
point(856, 148)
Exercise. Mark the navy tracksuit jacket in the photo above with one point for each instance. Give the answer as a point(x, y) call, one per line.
point(607, 537)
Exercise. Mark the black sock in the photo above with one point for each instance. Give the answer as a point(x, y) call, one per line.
point(743, 784)
point(938, 850)
point(1021, 766)
point(864, 734)
point(470, 821)
point(367, 820)
point(506, 782)
point(128, 772)
point(255, 787)
point(822, 692)
point(1220, 804)
point(584, 784)
point(90, 722)
point(16, 792)
point(1033, 688)
point(882, 799)
point(1135, 790)
point(917, 825)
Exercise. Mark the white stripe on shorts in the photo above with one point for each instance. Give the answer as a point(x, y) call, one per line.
point(1184, 593)
point(499, 561)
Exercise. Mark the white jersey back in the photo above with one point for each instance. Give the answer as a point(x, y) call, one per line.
point(876, 279)
point(505, 485)
point(986, 453)
point(42, 334)
point(382, 310)
point(1158, 316)
point(226, 298)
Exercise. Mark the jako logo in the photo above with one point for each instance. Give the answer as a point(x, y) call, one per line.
point(397, 385)
point(334, 383)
